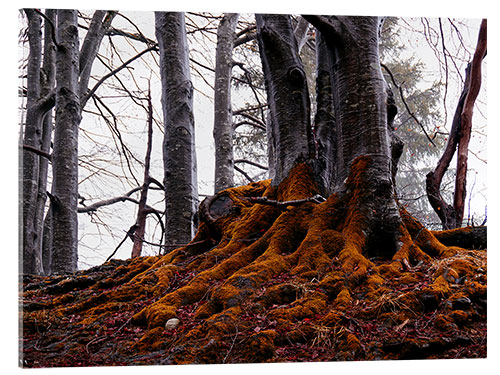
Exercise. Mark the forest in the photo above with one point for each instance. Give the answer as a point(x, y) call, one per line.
point(216, 188)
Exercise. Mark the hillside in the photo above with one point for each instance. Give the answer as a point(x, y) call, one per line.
point(266, 281)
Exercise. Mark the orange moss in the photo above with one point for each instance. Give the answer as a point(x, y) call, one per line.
point(343, 298)
point(299, 184)
point(259, 281)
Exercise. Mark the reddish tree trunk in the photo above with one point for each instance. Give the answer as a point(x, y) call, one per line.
point(451, 216)
point(466, 125)
point(142, 212)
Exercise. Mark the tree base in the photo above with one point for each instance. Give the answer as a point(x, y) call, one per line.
point(263, 283)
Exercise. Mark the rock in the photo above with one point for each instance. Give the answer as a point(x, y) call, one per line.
point(172, 323)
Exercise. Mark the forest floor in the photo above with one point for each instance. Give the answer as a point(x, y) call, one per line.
point(261, 283)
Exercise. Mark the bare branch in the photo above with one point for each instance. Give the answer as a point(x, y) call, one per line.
point(250, 179)
point(38, 152)
point(283, 205)
point(237, 161)
point(114, 72)
point(401, 94)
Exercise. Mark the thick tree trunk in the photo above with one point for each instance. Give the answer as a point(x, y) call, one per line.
point(223, 124)
point(363, 128)
point(181, 191)
point(65, 154)
point(289, 125)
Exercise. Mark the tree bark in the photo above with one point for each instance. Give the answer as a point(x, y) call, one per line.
point(360, 104)
point(289, 127)
point(65, 155)
point(466, 124)
point(451, 216)
point(101, 21)
point(31, 260)
point(48, 84)
point(141, 211)
point(325, 127)
point(180, 181)
point(223, 125)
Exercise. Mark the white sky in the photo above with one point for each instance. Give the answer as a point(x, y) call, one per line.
point(468, 9)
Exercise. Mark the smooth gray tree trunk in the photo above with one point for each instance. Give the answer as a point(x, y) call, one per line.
point(72, 84)
point(223, 121)
point(101, 21)
point(325, 127)
point(31, 259)
point(289, 125)
point(360, 103)
point(48, 84)
point(179, 158)
point(65, 154)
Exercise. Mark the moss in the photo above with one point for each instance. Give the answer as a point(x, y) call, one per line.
point(343, 298)
point(258, 278)
point(389, 271)
point(260, 346)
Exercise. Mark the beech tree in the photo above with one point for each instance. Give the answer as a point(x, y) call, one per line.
point(223, 119)
point(68, 68)
point(359, 99)
point(179, 158)
point(451, 215)
point(322, 256)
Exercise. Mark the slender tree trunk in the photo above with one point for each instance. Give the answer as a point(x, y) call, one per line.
point(141, 211)
point(223, 124)
point(46, 141)
point(101, 21)
point(451, 216)
point(466, 124)
point(31, 260)
point(65, 154)
point(289, 125)
point(47, 242)
point(180, 181)
point(445, 211)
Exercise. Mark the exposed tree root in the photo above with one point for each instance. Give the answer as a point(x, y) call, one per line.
point(259, 284)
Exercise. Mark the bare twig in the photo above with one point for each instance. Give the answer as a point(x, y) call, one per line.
point(400, 89)
point(238, 169)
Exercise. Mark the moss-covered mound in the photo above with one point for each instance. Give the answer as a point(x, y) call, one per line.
point(264, 282)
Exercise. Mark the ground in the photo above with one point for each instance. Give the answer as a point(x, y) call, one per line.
point(263, 282)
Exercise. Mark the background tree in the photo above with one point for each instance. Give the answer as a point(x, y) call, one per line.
point(180, 181)
point(451, 216)
point(223, 124)
point(37, 136)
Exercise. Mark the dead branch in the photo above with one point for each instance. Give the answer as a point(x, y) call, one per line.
point(141, 213)
point(466, 123)
point(283, 205)
point(238, 161)
point(238, 169)
point(38, 152)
